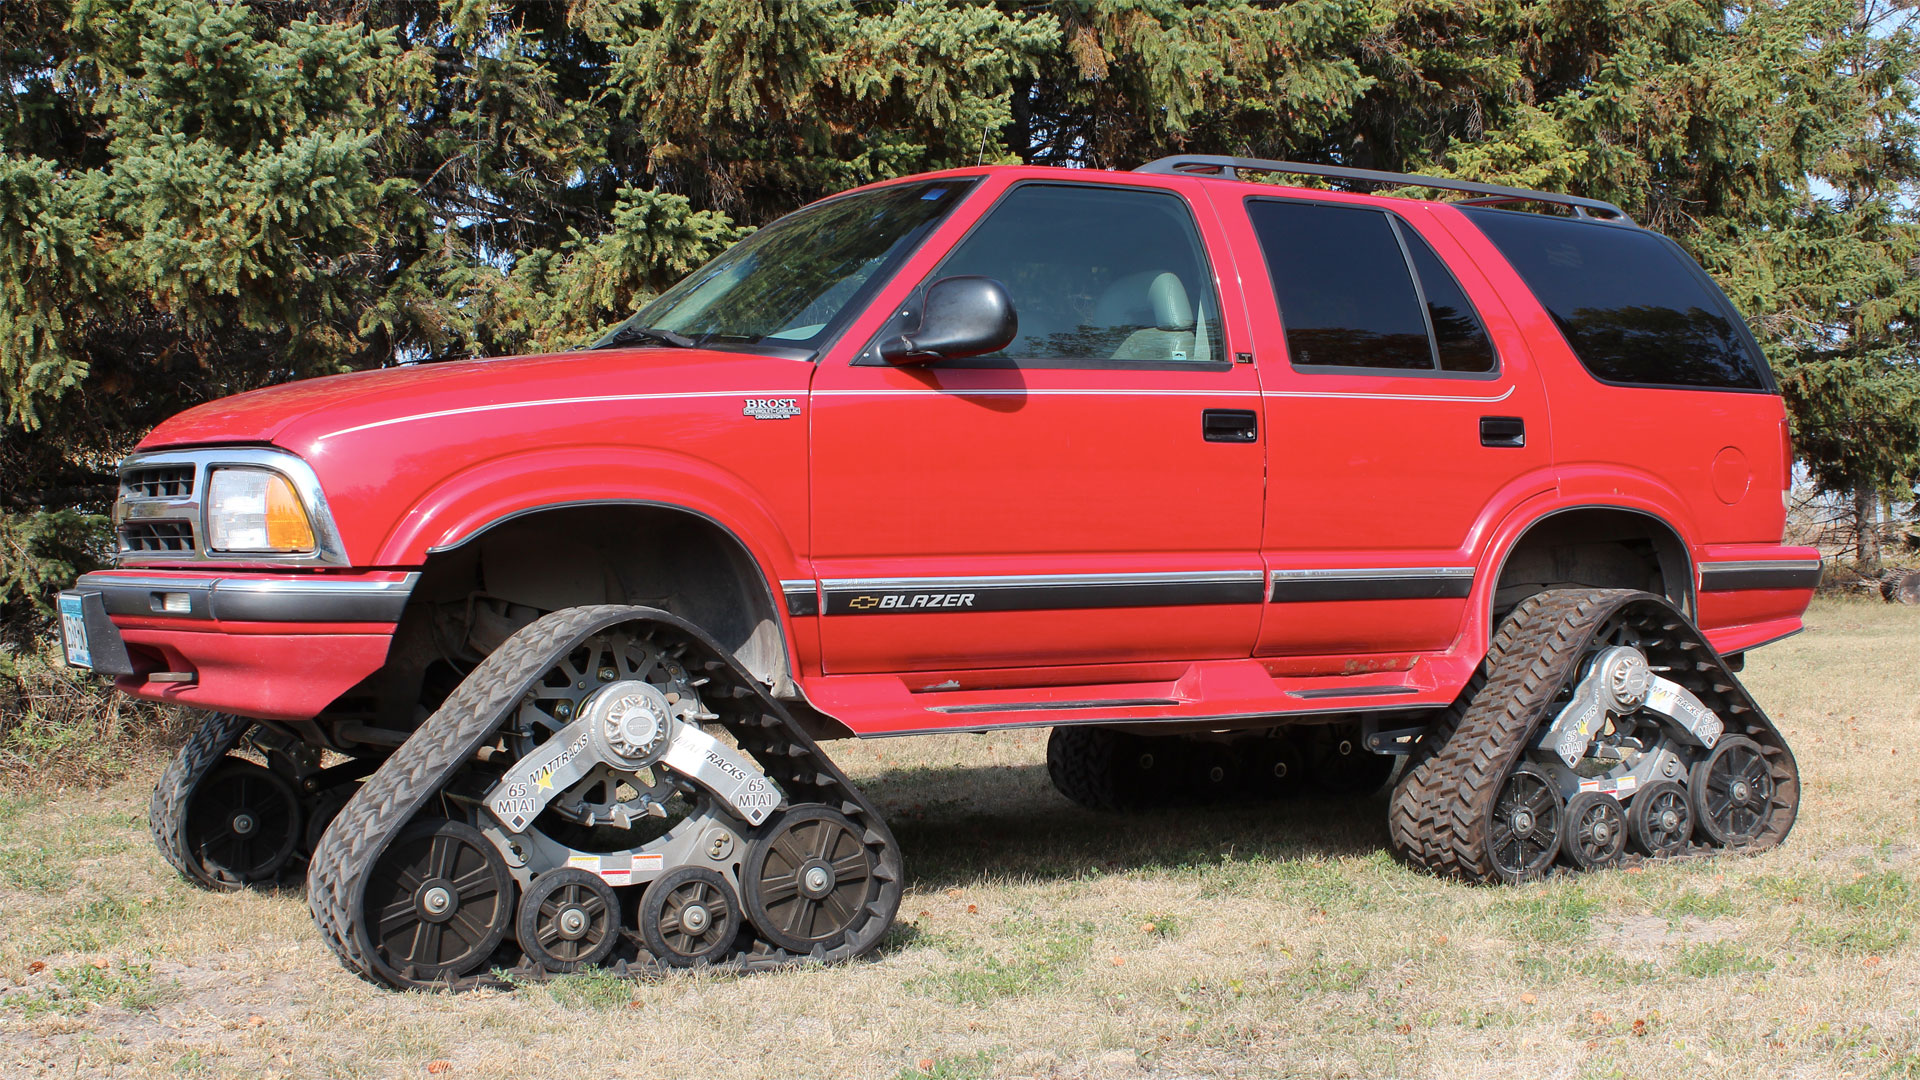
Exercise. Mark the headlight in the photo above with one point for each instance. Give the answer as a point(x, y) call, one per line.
point(255, 510)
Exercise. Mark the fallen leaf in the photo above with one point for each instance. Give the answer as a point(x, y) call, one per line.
point(924, 1064)
point(1404, 1029)
point(256, 1020)
point(1528, 998)
point(440, 1066)
point(953, 894)
point(1441, 940)
point(1871, 961)
point(1639, 1027)
point(973, 909)
point(926, 914)
point(1146, 928)
point(1119, 960)
point(100, 964)
point(36, 967)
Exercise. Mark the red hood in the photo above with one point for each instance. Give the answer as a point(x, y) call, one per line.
point(364, 397)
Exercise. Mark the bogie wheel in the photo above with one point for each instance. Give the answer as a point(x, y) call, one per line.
point(243, 822)
point(1277, 770)
point(1528, 817)
point(173, 794)
point(1112, 770)
point(1596, 830)
point(1342, 765)
point(689, 917)
point(569, 919)
point(1660, 820)
point(1734, 792)
point(1214, 770)
point(808, 876)
point(438, 901)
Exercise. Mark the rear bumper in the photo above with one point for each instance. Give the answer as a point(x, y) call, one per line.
point(279, 647)
point(1752, 594)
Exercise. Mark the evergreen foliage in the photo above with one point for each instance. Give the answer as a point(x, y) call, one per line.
point(199, 197)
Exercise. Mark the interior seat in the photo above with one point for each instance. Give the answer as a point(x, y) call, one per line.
point(1175, 333)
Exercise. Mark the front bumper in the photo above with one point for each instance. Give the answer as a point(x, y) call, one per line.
point(275, 646)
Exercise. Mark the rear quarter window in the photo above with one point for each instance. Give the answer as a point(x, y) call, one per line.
point(1633, 307)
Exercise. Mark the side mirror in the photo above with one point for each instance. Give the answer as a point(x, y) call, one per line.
point(962, 316)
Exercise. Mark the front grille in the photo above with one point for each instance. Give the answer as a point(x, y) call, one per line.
point(171, 537)
point(158, 482)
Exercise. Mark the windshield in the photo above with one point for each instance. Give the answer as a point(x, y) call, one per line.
point(789, 283)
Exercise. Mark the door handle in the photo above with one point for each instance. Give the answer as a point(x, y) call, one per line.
point(1503, 431)
point(1230, 425)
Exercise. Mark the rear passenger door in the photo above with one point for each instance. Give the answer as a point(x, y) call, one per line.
point(1090, 495)
point(1401, 407)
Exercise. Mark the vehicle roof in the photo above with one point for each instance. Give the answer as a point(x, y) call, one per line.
point(1159, 173)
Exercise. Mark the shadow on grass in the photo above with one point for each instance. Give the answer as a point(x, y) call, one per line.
point(1010, 823)
point(957, 825)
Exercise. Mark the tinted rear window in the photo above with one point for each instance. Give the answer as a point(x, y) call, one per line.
point(1632, 305)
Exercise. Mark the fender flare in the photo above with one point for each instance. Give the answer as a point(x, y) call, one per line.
point(476, 500)
point(1521, 520)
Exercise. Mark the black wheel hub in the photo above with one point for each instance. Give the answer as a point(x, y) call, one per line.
point(1661, 821)
point(808, 879)
point(569, 919)
point(689, 917)
point(1734, 791)
point(439, 900)
point(243, 823)
point(1596, 830)
point(1525, 833)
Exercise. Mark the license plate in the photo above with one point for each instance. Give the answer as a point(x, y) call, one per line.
point(73, 631)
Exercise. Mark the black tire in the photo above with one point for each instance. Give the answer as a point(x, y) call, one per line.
point(1442, 815)
point(407, 782)
point(808, 878)
point(1525, 824)
point(451, 859)
point(1733, 792)
point(173, 793)
point(1660, 819)
point(1596, 831)
point(568, 920)
point(1411, 808)
point(242, 825)
point(666, 918)
point(1113, 771)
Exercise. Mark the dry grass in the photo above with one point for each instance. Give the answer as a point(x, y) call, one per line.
point(1039, 940)
point(62, 726)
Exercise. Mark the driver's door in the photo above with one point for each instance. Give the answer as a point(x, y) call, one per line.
point(1091, 494)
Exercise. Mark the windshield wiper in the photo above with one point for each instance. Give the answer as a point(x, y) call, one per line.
point(626, 335)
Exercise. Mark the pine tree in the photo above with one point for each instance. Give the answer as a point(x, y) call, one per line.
point(198, 197)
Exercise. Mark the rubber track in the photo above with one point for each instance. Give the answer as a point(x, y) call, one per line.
point(167, 809)
point(471, 718)
point(1410, 794)
point(1442, 811)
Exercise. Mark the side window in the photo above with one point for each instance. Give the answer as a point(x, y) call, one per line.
point(1633, 307)
point(1358, 289)
point(1097, 274)
point(1459, 339)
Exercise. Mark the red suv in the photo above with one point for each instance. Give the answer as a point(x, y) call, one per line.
point(1233, 485)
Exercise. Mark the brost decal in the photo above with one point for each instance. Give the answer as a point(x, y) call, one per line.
point(771, 408)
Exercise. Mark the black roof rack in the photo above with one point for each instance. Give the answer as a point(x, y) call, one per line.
point(1229, 168)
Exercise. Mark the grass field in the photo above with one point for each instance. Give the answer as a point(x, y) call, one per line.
point(1041, 940)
